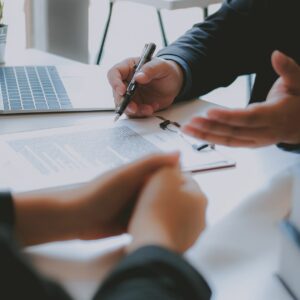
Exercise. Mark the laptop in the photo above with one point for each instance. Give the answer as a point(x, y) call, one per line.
point(46, 89)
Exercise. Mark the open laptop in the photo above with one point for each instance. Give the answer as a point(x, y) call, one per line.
point(44, 89)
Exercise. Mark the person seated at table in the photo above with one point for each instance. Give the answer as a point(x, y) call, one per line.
point(239, 39)
point(151, 199)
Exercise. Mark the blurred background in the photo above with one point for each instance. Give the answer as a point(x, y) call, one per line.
point(74, 29)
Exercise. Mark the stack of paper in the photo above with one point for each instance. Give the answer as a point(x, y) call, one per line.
point(290, 254)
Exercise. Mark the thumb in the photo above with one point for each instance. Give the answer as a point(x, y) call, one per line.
point(287, 69)
point(170, 176)
point(155, 69)
point(133, 175)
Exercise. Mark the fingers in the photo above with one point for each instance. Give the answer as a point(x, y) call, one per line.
point(168, 177)
point(157, 68)
point(254, 116)
point(132, 107)
point(139, 110)
point(206, 125)
point(254, 126)
point(191, 186)
point(140, 105)
point(143, 168)
point(171, 181)
point(218, 139)
point(288, 69)
point(119, 73)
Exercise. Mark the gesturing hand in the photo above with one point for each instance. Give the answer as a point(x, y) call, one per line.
point(275, 121)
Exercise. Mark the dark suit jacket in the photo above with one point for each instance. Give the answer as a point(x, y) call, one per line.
point(149, 273)
point(237, 40)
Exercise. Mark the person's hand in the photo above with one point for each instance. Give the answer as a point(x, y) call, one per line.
point(170, 212)
point(108, 201)
point(94, 210)
point(275, 121)
point(160, 81)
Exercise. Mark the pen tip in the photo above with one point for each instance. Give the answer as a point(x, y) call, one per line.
point(117, 117)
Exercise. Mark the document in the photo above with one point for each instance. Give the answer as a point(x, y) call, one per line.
point(71, 155)
point(289, 265)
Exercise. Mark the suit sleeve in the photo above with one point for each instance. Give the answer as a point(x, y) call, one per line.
point(290, 148)
point(18, 279)
point(149, 273)
point(154, 273)
point(230, 43)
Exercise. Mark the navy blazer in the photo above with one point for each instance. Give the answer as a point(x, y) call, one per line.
point(238, 40)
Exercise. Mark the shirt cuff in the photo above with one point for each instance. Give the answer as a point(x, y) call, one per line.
point(7, 214)
point(290, 147)
point(187, 82)
point(163, 265)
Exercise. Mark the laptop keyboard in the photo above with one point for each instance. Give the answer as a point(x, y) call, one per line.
point(33, 88)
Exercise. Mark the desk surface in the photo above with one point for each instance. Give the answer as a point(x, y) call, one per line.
point(80, 266)
point(174, 4)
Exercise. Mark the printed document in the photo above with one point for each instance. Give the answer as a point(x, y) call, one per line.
point(71, 155)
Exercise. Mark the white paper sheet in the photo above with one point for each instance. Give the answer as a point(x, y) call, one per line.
point(70, 155)
point(295, 213)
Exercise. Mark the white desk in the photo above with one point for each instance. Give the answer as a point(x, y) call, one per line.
point(175, 4)
point(80, 266)
point(33, 122)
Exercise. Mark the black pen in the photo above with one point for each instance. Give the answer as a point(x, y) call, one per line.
point(200, 147)
point(203, 146)
point(145, 57)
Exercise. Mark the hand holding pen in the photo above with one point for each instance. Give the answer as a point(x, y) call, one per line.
point(145, 57)
point(159, 82)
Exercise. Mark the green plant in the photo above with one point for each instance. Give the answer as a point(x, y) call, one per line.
point(1, 11)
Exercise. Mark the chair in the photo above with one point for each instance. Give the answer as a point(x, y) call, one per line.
point(158, 5)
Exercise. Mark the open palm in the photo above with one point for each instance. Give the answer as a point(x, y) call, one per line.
point(271, 122)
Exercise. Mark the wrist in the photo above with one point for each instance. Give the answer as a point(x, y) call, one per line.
point(158, 238)
point(7, 210)
point(41, 219)
point(179, 74)
point(185, 74)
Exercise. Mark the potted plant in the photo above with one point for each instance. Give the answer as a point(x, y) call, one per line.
point(3, 34)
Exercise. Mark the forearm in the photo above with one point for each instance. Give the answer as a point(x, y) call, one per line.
point(18, 279)
point(43, 218)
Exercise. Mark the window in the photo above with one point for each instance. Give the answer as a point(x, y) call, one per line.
point(15, 18)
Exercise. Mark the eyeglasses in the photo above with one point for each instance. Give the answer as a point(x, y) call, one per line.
point(174, 127)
